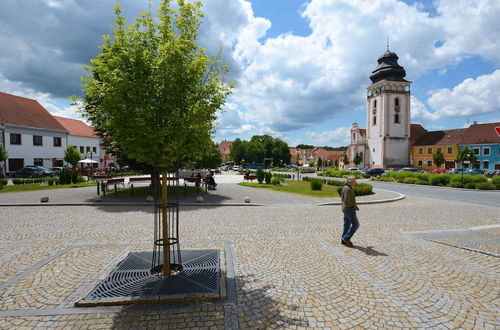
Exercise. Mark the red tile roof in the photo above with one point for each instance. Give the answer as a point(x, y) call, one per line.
point(481, 134)
point(21, 111)
point(446, 137)
point(76, 127)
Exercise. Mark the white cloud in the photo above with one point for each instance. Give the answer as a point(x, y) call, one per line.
point(340, 136)
point(471, 97)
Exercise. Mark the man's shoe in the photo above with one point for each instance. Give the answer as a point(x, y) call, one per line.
point(347, 243)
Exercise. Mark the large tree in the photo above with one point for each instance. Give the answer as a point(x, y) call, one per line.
point(3, 157)
point(357, 159)
point(152, 92)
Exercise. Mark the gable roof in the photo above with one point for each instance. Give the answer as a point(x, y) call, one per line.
point(76, 127)
point(481, 133)
point(446, 137)
point(21, 111)
point(416, 131)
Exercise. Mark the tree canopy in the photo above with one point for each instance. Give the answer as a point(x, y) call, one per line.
point(438, 159)
point(260, 147)
point(152, 93)
point(3, 153)
point(71, 155)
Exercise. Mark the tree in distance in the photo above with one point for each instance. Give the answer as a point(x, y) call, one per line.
point(71, 156)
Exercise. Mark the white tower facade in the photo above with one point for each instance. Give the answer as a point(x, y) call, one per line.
point(388, 115)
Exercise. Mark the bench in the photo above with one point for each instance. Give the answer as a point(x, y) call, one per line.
point(250, 177)
point(196, 180)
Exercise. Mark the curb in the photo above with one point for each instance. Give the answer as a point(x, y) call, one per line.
point(126, 204)
point(439, 187)
point(377, 201)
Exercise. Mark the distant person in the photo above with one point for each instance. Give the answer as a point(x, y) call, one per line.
point(199, 177)
point(349, 208)
point(211, 185)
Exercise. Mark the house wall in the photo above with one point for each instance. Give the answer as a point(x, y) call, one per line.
point(421, 156)
point(27, 151)
point(89, 144)
point(486, 161)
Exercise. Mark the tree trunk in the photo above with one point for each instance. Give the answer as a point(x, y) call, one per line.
point(164, 217)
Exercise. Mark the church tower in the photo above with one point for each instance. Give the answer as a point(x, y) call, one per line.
point(388, 115)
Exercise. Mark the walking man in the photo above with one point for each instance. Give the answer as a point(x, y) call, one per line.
point(349, 209)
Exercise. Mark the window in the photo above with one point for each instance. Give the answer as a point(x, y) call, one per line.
point(396, 119)
point(15, 139)
point(486, 151)
point(82, 149)
point(374, 112)
point(38, 161)
point(88, 149)
point(429, 163)
point(373, 149)
point(429, 150)
point(37, 140)
point(450, 150)
point(420, 150)
point(57, 141)
point(420, 163)
point(476, 151)
point(94, 149)
point(374, 120)
point(439, 150)
point(486, 164)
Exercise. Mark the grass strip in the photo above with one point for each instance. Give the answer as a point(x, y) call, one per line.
point(297, 187)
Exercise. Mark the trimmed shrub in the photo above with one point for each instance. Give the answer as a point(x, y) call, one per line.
point(469, 178)
point(267, 177)
point(440, 180)
point(470, 185)
point(361, 189)
point(411, 180)
point(4, 181)
point(17, 181)
point(496, 181)
point(260, 175)
point(276, 180)
point(316, 184)
point(455, 185)
point(80, 179)
point(485, 186)
point(342, 174)
point(1, 185)
point(65, 176)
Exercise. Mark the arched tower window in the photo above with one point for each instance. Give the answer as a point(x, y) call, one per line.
point(397, 109)
point(354, 136)
point(374, 112)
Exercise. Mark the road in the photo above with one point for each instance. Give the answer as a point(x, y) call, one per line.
point(490, 198)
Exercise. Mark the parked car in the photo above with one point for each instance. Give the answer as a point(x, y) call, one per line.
point(474, 171)
point(455, 170)
point(236, 168)
point(56, 170)
point(409, 169)
point(375, 171)
point(352, 169)
point(439, 170)
point(33, 172)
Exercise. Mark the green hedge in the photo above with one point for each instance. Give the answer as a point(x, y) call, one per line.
point(496, 181)
point(485, 186)
point(329, 182)
point(18, 181)
point(469, 178)
point(342, 174)
point(4, 181)
point(440, 179)
point(361, 189)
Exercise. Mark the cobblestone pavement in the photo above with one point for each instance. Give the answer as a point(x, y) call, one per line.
point(290, 269)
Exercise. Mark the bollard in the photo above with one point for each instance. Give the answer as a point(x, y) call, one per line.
point(98, 186)
point(103, 188)
point(116, 192)
point(132, 190)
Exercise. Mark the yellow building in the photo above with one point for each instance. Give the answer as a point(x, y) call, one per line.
point(430, 143)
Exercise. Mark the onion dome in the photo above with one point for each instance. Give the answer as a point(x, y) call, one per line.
point(388, 68)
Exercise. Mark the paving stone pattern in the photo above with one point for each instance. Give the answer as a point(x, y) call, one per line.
point(290, 269)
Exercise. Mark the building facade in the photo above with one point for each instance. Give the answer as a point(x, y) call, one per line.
point(31, 135)
point(484, 140)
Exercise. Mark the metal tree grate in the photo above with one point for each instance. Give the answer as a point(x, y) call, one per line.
point(132, 278)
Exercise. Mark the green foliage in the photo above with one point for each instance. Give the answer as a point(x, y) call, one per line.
point(305, 146)
point(342, 174)
point(210, 157)
point(440, 179)
point(357, 159)
point(267, 177)
point(438, 159)
point(345, 160)
point(4, 181)
point(1, 185)
point(336, 164)
point(71, 155)
point(260, 175)
point(53, 181)
point(361, 189)
point(79, 179)
point(65, 176)
point(152, 92)
point(316, 184)
point(3, 153)
point(455, 185)
point(319, 163)
point(485, 186)
point(411, 180)
point(276, 180)
point(260, 147)
point(496, 181)
point(468, 178)
point(470, 185)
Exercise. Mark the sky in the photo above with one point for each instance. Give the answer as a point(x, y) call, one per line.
point(300, 67)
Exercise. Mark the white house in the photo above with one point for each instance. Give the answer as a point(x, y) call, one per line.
point(84, 139)
point(30, 134)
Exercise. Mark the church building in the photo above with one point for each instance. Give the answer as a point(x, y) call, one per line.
point(385, 142)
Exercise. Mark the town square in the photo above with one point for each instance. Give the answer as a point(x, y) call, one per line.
point(249, 164)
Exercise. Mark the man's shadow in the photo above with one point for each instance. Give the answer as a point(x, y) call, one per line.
point(369, 250)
